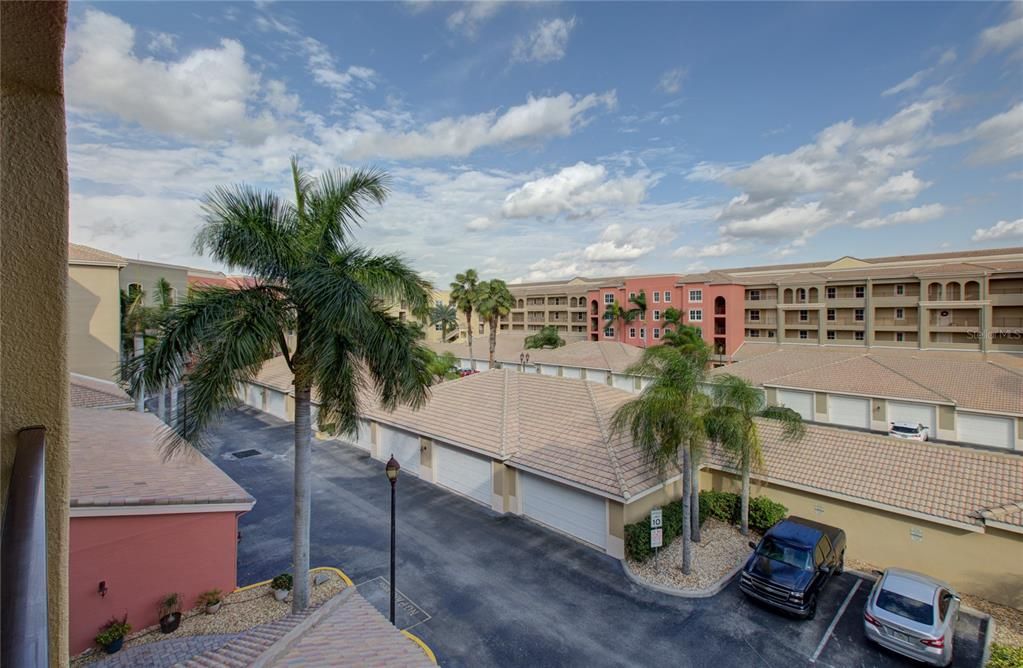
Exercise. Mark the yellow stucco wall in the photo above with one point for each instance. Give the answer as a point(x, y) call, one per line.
point(987, 564)
point(33, 269)
point(94, 321)
point(640, 508)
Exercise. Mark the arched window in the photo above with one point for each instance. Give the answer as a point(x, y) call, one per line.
point(952, 292)
point(594, 307)
point(814, 294)
point(971, 290)
point(521, 303)
point(801, 295)
point(172, 295)
point(788, 295)
point(934, 292)
point(134, 289)
point(719, 305)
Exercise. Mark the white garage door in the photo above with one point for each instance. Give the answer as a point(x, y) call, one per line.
point(597, 376)
point(984, 429)
point(465, 363)
point(364, 440)
point(548, 370)
point(849, 411)
point(624, 382)
point(482, 365)
point(571, 372)
point(463, 472)
point(403, 445)
point(916, 413)
point(255, 398)
point(275, 404)
point(800, 402)
point(567, 509)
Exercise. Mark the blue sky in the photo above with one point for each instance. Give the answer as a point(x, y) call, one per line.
point(537, 141)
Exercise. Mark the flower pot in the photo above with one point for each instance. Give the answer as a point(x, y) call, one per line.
point(212, 608)
point(281, 594)
point(114, 647)
point(169, 623)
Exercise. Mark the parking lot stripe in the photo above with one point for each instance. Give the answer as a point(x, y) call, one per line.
point(834, 622)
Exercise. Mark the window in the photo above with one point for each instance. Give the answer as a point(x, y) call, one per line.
point(632, 332)
point(831, 314)
point(642, 332)
point(770, 333)
point(754, 333)
point(803, 334)
point(657, 297)
point(754, 295)
point(609, 332)
point(632, 295)
point(801, 295)
point(831, 335)
point(754, 316)
point(900, 314)
point(695, 315)
point(609, 298)
point(900, 337)
point(858, 315)
point(657, 332)
point(657, 315)
point(481, 328)
point(436, 327)
point(134, 289)
point(696, 295)
point(804, 316)
point(859, 291)
point(858, 336)
point(832, 293)
point(900, 289)
point(667, 295)
point(944, 601)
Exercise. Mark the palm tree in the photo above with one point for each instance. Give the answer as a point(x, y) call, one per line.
point(310, 279)
point(547, 337)
point(445, 315)
point(616, 312)
point(465, 296)
point(686, 338)
point(666, 422)
point(731, 422)
point(495, 301)
point(640, 301)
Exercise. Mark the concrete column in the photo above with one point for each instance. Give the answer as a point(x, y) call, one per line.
point(924, 328)
point(868, 314)
point(985, 315)
point(140, 396)
point(780, 317)
point(161, 404)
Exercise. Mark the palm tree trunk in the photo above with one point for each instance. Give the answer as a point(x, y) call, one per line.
point(140, 349)
point(695, 498)
point(493, 340)
point(303, 493)
point(744, 513)
point(687, 510)
point(468, 333)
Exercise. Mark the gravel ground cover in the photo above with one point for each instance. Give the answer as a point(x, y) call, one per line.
point(240, 611)
point(720, 549)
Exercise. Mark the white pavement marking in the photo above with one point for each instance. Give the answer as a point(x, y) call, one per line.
point(834, 622)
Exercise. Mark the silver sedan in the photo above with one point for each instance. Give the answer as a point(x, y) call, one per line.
point(914, 615)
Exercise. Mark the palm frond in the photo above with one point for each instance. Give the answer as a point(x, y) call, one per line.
point(337, 203)
point(791, 422)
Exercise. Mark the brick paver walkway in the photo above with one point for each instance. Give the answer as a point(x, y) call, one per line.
point(164, 653)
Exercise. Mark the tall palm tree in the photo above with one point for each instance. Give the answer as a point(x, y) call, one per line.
point(640, 301)
point(495, 301)
point(310, 278)
point(731, 422)
point(666, 422)
point(445, 315)
point(617, 313)
point(465, 296)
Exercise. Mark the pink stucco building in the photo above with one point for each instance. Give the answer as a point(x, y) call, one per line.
point(142, 527)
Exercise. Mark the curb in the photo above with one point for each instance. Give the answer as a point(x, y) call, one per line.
point(685, 593)
point(340, 573)
point(422, 645)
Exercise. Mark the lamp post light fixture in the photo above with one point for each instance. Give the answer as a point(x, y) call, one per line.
point(523, 361)
point(391, 469)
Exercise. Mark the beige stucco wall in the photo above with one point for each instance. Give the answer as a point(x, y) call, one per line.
point(94, 321)
point(148, 274)
point(640, 508)
point(986, 564)
point(33, 269)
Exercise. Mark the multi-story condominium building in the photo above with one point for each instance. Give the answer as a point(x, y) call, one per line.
point(93, 311)
point(145, 276)
point(969, 300)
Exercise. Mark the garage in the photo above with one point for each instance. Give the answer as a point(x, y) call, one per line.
point(983, 429)
point(364, 439)
point(597, 376)
point(800, 402)
point(255, 396)
point(403, 445)
point(275, 404)
point(463, 472)
point(548, 370)
point(565, 508)
point(849, 411)
point(899, 411)
point(627, 383)
point(571, 372)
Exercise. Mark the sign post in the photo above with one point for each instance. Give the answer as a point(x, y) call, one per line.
point(656, 530)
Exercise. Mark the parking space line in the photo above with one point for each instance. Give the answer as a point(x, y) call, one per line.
point(834, 622)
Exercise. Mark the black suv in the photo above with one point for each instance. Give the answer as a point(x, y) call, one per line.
point(793, 561)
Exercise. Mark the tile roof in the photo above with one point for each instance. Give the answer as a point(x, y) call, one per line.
point(88, 255)
point(861, 375)
point(116, 461)
point(943, 482)
point(275, 374)
point(89, 392)
point(606, 355)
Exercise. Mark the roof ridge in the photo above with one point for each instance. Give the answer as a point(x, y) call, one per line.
point(504, 414)
point(1016, 372)
point(897, 373)
point(812, 368)
point(607, 442)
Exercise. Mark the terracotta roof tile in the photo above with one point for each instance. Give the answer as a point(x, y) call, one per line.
point(88, 255)
point(89, 392)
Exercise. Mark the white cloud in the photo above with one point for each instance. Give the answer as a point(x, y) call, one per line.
point(210, 94)
point(918, 214)
point(479, 224)
point(574, 190)
point(781, 222)
point(163, 41)
point(539, 118)
point(616, 245)
point(904, 186)
point(1001, 137)
point(719, 249)
point(468, 19)
point(1000, 230)
point(671, 81)
point(323, 67)
point(545, 43)
point(908, 84)
point(1003, 36)
point(949, 56)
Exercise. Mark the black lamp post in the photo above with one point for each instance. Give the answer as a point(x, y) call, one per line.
point(391, 470)
point(523, 361)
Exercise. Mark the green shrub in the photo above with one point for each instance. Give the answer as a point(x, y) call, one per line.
point(765, 513)
point(1004, 656)
point(637, 534)
point(282, 581)
point(719, 505)
point(113, 630)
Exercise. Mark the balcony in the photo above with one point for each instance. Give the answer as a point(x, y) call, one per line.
point(1007, 324)
point(763, 302)
point(849, 302)
point(761, 324)
point(896, 300)
point(1006, 298)
point(845, 323)
point(896, 324)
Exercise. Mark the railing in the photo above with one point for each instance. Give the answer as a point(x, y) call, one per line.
point(955, 323)
point(1005, 291)
point(24, 629)
point(895, 321)
point(1008, 322)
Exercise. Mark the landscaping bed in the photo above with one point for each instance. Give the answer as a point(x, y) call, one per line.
point(720, 550)
point(240, 611)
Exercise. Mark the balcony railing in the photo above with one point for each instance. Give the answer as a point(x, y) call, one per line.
point(24, 627)
point(1007, 322)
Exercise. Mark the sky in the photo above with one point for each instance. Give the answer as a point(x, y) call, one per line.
point(546, 140)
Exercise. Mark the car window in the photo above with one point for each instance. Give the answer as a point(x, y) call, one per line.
point(944, 601)
point(906, 430)
point(782, 552)
point(917, 611)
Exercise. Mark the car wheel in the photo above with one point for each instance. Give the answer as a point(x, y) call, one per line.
point(813, 608)
point(841, 564)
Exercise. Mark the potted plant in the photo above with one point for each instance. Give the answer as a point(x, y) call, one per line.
point(281, 586)
point(211, 600)
point(170, 613)
point(111, 635)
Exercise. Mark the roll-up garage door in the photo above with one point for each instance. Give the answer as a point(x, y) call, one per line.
point(565, 508)
point(275, 404)
point(364, 439)
point(548, 370)
point(597, 376)
point(403, 445)
point(849, 411)
point(571, 372)
point(463, 472)
point(623, 382)
point(800, 402)
point(984, 429)
point(255, 398)
point(900, 411)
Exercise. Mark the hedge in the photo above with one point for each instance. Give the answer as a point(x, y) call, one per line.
point(725, 506)
point(1005, 656)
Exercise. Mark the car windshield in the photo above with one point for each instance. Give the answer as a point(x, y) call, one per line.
point(918, 611)
point(782, 552)
point(906, 430)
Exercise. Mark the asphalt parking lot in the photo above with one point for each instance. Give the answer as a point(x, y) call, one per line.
point(484, 589)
